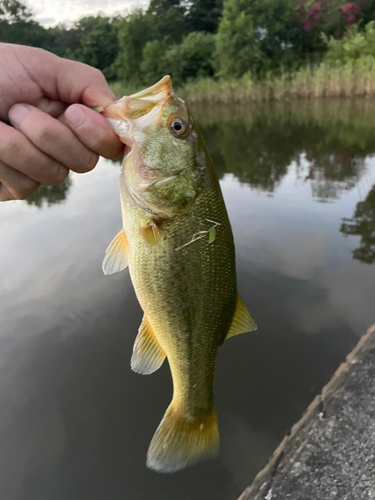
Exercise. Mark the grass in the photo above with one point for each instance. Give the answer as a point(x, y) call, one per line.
point(349, 80)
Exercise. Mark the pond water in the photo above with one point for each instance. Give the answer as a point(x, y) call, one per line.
point(75, 422)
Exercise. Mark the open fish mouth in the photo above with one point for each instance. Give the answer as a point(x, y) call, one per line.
point(154, 95)
point(136, 106)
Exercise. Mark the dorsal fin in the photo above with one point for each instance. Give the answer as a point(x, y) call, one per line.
point(147, 356)
point(116, 255)
point(242, 322)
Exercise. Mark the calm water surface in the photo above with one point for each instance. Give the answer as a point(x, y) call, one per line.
point(75, 421)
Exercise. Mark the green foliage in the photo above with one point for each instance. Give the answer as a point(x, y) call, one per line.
point(169, 19)
point(153, 66)
point(368, 11)
point(97, 43)
point(120, 88)
point(24, 33)
point(356, 46)
point(17, 26)
point(13, 11)
point(363, 224)
point(192, 58)
point(256, 36)
point(134, 31)
point(204, 15)
point(62, 41)
point(50, 195)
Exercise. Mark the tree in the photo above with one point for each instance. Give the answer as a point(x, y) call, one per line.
point(13, 11)
point(134, 31)
point(50, 195)
point(192, 58)
point(17, 25)
point(153, 65)
point(363, 224)
point(354, 46)
point(256, 36)
point(169, 18)
point(98, 45)
point(368, 11)
point(63, 41)
point(331, 18)
point(204, 15)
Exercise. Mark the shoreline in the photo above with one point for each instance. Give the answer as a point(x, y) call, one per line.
point(352, 80)
point(313, 459)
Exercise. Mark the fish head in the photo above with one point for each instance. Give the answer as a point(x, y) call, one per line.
point(163, 161)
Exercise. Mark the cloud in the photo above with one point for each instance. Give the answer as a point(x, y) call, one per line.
point(67, 11)
point(46, 21)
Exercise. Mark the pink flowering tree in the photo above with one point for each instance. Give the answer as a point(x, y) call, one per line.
point(330, 17)
point(311, 13)
point(352, 12)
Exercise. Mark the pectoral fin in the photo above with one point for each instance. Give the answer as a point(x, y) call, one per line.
point(242, 322)
point(147, 356)
point(116, 255)
point(151, 233)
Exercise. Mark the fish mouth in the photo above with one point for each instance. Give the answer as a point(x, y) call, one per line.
point(137, 105)
point(160, 91)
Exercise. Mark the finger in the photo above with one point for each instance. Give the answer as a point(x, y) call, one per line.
point(14, 185)
point(65, 80)
point(52, 138)
point(52, 108)
point(43, 75)
point(19, 153)
point(94, 131)
point(5, 194)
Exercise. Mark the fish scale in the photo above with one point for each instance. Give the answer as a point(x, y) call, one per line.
point(189, 321)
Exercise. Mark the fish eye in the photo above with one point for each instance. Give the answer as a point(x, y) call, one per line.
point(177, 126)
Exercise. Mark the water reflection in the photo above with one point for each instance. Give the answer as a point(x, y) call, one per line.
point(330, 140)
point(363, 224)
point(333, 173)
point(50, 195)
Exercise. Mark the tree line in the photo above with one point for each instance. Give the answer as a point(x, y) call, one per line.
point(196, 38)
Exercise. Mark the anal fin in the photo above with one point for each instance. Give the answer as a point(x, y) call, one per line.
point(116, 255)
point(242, 322)
point(147, 356)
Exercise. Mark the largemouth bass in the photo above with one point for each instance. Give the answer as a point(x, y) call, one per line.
point(177, 241)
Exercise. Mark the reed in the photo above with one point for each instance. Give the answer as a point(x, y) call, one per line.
point(353, 79)
point(349, 80)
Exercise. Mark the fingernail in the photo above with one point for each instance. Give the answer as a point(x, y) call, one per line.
point(17, 113)
point(75, 116)
point(105, 99)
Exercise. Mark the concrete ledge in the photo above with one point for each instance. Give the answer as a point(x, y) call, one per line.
point(330, 452)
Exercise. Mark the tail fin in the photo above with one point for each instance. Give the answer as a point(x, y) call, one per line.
point(180, 441)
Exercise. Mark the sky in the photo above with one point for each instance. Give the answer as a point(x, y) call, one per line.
point(50, 13)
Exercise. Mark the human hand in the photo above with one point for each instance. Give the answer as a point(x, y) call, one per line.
point(46, 126)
